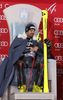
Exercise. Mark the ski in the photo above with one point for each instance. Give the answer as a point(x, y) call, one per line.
point(44, 17)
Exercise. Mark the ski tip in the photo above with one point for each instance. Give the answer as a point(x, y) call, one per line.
point(44, 13)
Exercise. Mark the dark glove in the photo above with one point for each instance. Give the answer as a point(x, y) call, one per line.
point(48, 42)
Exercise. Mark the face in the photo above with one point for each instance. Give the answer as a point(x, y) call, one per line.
point(30, 33)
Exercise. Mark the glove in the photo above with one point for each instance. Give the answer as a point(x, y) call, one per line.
point(48, 42)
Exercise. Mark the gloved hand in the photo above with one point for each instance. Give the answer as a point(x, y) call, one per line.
point(48, 42)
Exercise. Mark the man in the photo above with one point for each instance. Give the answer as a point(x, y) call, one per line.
point(25, 63)
point(22, 54)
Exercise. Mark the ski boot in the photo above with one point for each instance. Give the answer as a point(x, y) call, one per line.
point(22, 88)
point(37, 88)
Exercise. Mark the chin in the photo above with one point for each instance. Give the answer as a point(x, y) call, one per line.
point(31, 36)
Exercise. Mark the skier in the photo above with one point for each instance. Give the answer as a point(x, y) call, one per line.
point(24, 54)
point(25, 63)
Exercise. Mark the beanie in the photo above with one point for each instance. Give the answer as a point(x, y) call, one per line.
point(29, 27)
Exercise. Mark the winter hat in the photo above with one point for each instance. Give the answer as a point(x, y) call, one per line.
point(29, 27)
